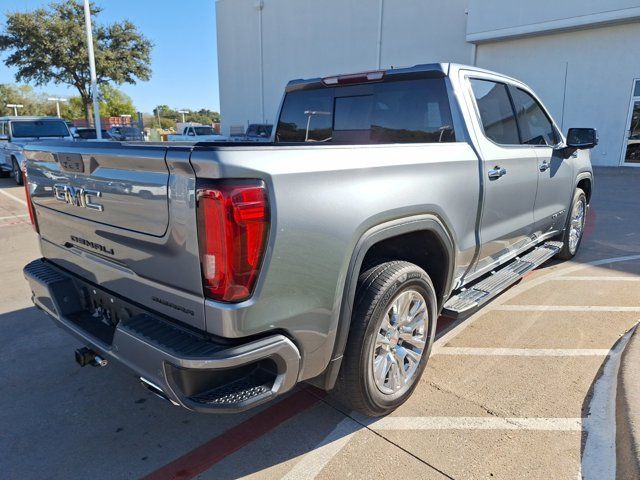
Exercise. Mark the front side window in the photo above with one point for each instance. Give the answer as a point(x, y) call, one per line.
point(535, 126)
point(38, 128)
point(496, 112)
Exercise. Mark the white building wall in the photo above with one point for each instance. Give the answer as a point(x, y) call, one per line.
point(499, 19)
point(579, 55)
point(584, 77)
point(307, 38)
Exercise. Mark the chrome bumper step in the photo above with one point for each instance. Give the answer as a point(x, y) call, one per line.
point(475, 296)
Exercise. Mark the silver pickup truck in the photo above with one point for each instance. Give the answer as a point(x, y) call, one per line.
point(384, 200)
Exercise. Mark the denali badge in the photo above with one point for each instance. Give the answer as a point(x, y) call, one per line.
point(90, 244)
point(78, 197)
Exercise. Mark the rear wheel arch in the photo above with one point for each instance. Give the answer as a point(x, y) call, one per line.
point(383, 240)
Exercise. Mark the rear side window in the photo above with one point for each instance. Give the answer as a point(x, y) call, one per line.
point(405, 111)
point(535, 126)
point(496, 112)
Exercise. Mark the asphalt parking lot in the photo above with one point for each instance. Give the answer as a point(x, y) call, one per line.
point(522, 389)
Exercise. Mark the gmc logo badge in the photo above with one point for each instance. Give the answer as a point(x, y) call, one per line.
point(78, 197)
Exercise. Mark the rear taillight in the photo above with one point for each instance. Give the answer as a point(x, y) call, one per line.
point(233, 222)
point(32, 214)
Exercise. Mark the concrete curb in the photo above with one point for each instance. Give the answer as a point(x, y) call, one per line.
point(628, 411)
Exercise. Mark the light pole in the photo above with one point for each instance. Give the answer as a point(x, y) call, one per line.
point(92, 70)
point(183, 112)
point(15, 107)
point(57, 100)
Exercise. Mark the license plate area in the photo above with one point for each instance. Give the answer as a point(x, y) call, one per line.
point(100, 313)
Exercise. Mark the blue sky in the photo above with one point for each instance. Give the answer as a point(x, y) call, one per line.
point(184, 58)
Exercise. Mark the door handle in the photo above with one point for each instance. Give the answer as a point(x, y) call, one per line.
point(544, 166)
point(497, 172)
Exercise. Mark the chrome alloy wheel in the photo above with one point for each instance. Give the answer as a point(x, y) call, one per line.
point(400, 342)
point(576, 225)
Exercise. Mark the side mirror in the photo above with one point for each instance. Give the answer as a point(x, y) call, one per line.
point(581, 138)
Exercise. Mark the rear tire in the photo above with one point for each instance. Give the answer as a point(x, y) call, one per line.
point(16, 173)
point(574, 227)
point(390, 339)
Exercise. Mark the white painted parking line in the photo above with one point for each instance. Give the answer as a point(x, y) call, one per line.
point(525, 352)
point(313, 462)
point(523, 287)
point(476, 423)
point(11, 217)
point(13, 197)
point(599, 454)
point(595, 278)
point(13, 224)
point(564, 308)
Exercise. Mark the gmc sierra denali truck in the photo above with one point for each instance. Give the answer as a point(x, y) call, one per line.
point(384, 200)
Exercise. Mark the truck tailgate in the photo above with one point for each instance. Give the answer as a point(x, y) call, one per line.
point(130, 185)
point(113, 214)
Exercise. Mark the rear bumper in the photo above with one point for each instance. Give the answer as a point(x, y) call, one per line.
point(199, 372)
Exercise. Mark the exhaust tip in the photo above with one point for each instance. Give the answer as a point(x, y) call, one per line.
point(156, 390)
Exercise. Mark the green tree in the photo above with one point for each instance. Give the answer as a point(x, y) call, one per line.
point(49, 45)
point(32, 102)
point(114, 103)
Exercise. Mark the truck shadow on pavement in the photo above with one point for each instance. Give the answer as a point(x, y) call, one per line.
point(60, 420)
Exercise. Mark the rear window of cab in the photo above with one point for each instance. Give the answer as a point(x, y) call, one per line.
point(401, 111)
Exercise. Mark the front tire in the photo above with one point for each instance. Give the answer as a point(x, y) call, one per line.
point(16, 173)
point(574, 227)
point(391, 335)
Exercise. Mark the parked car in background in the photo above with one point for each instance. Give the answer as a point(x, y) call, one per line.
point(224, 274)
point(90, 134)
point(126, 133)
point(196, 133)
point(16, 132)
point(259, 132)
point(256, 132)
